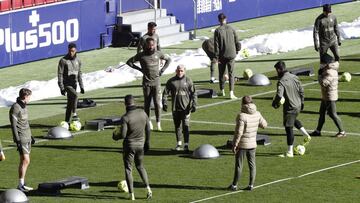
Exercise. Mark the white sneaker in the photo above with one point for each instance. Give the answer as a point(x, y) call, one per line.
point(307, 140)
point(24, 188)
point(159, 126)
point(178, 148)
point(149, 195)
point(151, 125)
point(221, 93)
point(232, 96)
point(132, 196)
point(2, 156)
point(287, 155)
point(213, 81)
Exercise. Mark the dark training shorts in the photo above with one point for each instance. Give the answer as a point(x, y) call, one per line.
point(24, 148)
point(289, 119)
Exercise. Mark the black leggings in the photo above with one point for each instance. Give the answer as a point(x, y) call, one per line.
point(330, 108)
point(290, 132)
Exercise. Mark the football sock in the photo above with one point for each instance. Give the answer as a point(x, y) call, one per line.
point(21, 182)
point(304, 132)
point(290, 148)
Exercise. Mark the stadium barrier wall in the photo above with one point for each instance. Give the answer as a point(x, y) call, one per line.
point(42, 32)
point(235, 10)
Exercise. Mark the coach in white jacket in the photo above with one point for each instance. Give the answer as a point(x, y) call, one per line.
point(244, 143)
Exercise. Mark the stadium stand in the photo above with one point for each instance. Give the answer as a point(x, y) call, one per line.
point(28, 3)
point(5, 5)
point(17, 4)
point(39, 2)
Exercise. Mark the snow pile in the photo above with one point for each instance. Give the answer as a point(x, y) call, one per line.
point(259, 45)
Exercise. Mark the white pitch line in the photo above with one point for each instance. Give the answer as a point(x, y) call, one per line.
point(278, 181)
point(232, 100)
point(341, 91)
point(43, 140)
point(270, 127)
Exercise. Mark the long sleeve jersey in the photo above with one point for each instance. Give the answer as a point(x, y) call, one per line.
point(182, 91)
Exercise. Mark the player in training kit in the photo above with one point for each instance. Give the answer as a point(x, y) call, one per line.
point(226, 46)
point(328, 80)
point(19, 121)
point(244, 143)
point(135, 131)
point(326, 34)
point(184, 98)
point(151, 33)
point(208, 47)
point(289, 87)
point(150, 64)
point(69, 74)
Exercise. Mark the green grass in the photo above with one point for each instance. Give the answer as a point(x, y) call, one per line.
point(175, 177)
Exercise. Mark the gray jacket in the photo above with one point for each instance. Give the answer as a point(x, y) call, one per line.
point(182, 91)
point(19, 121)
point(326, 30)
point(226, 43)
point(142, 42)
point(134, 128)
point(208, 47)
point(289, 87)
point(69, 72)
point(150, 63)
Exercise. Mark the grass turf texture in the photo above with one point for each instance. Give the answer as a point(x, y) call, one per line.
point(175, 177)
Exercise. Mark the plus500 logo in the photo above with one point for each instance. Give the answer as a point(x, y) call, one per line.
point(45, 35)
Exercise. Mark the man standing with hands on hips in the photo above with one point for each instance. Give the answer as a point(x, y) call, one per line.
point(150, 67)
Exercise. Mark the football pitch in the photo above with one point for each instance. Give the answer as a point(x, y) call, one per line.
point(326, 173)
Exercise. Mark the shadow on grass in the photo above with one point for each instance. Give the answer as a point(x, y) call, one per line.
point(351, 59)
point(47, 103)
point(269, 154)
point(152, 185)
point(352, 114)
point(212, 132)
point(124, 87)
point(79, 148)
point(92, 197)
point(38, 125)
point(276, 60)
point(151, 152)
point(248, 85)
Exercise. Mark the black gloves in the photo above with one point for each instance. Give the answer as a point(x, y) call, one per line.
point(339, 43)
point(82, 91)
point(165, 107)
point(63, 92)
point(193, 109)
point(160, 73)
point(302, 106)
point(316, 49)
point(146, 147)
point(275, 105)
point(18, 145)
point(32, 140)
